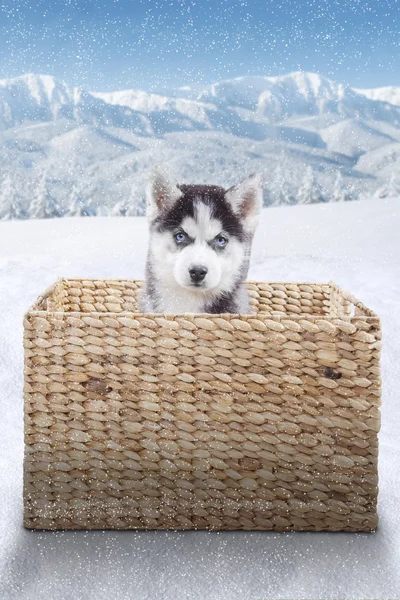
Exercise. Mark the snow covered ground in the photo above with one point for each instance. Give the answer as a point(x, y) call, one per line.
point(357, 245)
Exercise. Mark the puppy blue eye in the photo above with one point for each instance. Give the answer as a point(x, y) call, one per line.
point(180, 237)
point(221, 241)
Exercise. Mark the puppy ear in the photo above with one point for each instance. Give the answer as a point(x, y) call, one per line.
point(161, 192)
point(246, 200)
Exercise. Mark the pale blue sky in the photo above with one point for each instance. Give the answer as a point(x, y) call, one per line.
point(155, 44)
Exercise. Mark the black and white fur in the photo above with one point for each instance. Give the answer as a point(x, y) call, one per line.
point(200, 243)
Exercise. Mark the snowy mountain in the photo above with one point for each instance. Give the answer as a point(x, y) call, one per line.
point(91, 152)
point(298, 94)
point(40, 98)
point(389, 94)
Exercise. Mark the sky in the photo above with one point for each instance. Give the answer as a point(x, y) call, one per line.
point(157, 45)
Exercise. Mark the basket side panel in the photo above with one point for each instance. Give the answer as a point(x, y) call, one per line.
point(195, 423)
point(345, 304)
point(51, 299)
point(101, 295)
point(289, 298)
point(57, 299)
point(340, 306)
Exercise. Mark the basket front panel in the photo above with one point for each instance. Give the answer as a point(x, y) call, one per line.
point(193, 422)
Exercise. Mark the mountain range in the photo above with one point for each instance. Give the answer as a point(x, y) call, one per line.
point(100, 146)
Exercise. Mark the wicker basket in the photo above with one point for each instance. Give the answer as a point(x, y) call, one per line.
point(139, 421)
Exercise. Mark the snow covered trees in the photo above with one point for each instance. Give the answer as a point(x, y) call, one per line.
point(6, 197)
point(284, 190)
point(43, 205)
point(120, 209)
point(280, 190)
point(391, 189)
point(78, 205)
point(50, 197)
point(340, 192)
point(10, 203)
point(134, 206)
point(309, 190)
point(32, 202)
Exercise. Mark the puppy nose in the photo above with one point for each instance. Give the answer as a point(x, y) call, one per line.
point(197, 273)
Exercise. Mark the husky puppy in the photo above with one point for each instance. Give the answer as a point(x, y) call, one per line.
point(200, 243)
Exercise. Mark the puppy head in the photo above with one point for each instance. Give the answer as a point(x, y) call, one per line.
point(201, 234)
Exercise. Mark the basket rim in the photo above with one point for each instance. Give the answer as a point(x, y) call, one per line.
point(369, 315)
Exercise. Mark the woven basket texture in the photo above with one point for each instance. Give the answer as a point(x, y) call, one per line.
point(266, 421)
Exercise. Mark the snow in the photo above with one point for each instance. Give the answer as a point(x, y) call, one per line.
point(356, 244)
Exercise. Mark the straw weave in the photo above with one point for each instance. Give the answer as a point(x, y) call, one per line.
point(266, 421)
